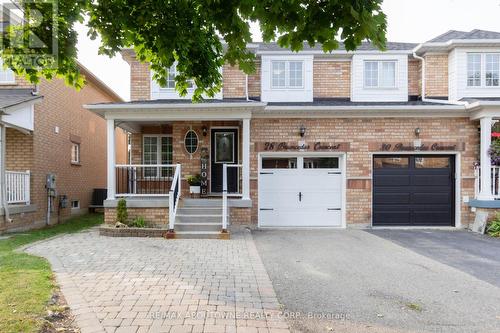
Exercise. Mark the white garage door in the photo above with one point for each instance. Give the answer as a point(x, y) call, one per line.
point(300, 192)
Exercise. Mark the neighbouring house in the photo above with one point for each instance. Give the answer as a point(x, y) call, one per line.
point(46, 130)
point(364, 138)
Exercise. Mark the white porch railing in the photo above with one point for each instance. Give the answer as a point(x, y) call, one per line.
point(225, 194)
point(174, 196)
point(144, 180)
point(495, 181)
point(17, 185)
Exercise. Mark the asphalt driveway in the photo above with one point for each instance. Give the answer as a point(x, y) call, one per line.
point(360, 281)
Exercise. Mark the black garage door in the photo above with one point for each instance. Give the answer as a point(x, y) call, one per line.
point(416, 190)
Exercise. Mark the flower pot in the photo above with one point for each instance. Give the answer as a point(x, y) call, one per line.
point(194, 189)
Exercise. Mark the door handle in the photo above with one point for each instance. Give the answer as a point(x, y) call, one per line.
point(300, 196)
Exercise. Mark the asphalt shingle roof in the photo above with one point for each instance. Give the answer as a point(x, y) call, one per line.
point(11, 97)
point(471, 35)
point(365, 46)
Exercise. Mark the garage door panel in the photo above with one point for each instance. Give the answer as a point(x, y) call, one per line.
point(319, 203)
point(388, 180)
point(430, 180)
point(395, 217)
point(431, 198)
point(391, 198)
point(425, 199)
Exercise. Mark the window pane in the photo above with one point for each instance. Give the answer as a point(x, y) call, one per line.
point(171, 78)
point(150, 152)
point(390, 162)
point(321, 162)
point(492, 70)
point(6, 74)
point(279, 163)
point(278, 74)
point(295, 69)
point(432, 162)
point(371, 74)
point(473, 70)
point(388, 74)
point(191, 142)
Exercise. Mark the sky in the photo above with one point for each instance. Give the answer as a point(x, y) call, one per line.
point(408, 21)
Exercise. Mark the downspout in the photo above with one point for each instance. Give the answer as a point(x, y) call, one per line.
point(2, 173)
point(246, 87)
point(431, 100)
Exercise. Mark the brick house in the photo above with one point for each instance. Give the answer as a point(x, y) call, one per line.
point(364, 138)
point(45, 130)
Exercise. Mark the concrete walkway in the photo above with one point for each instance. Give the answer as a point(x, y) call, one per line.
point(157, 285)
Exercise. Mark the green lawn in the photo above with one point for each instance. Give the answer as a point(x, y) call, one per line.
point(26, 281)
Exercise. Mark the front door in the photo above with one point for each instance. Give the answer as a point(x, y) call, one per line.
point(224, 150)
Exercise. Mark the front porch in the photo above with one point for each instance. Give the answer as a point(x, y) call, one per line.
point(167, 145)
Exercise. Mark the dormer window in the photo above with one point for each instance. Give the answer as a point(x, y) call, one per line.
point(287, 74)
point(483, 69)
point(380, 74)
point(6, 75)
point(171, 74)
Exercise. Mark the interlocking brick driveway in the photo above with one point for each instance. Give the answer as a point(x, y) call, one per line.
point(157, 285)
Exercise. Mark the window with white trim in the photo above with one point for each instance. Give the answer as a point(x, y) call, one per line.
point(380, 74)
point(75, 153)
point(75, 204)
point(157, 149)
point(483, 69)
point(287, 74)
point(6, 75)
point(171, 74)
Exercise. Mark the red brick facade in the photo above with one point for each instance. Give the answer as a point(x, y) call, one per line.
point(60, 119)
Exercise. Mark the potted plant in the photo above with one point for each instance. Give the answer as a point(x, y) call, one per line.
point(194, 182)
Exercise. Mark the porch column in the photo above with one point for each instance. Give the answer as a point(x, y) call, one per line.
point(246, 159)
point(485, 193)
point(111, 159)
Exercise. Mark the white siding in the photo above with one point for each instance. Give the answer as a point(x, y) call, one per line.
point(459, 88)
point(162, 93)
point(304, 94)
point(361, 94)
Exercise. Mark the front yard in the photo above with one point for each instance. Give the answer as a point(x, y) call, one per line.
point(26, 281)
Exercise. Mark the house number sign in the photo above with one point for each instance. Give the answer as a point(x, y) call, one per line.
point(204, 172)
point(316, 146)
point(423, 147)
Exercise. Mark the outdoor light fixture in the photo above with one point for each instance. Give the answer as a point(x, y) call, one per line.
point(204, 130)
point(417, 132)
point(302, 131)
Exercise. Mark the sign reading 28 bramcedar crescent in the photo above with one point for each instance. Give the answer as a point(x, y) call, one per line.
point(315, 146)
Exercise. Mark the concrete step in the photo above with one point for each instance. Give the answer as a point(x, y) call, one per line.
point(199, 210)
point(198, 218)
point(187, 202)
point(198, 235)
point(193, 226)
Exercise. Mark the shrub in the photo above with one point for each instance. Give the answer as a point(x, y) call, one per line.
point(121, 211)
point(495, 152)
point(194, 180)
point(494, 227)
point(139, 222)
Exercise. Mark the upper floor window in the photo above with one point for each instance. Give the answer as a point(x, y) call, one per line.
point(380, 74)
point(171, 74)
point(287, 74)
point(483, 69)
point(75, 153)
point(6, 74)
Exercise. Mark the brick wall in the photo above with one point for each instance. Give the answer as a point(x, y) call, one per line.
point(414, 77)
point(46, 151)
point(254, 88)
point(436, 75)
point(362, 135)
point(234, 82)
point(331, 79)
point(153, 216)
point(140, 80)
